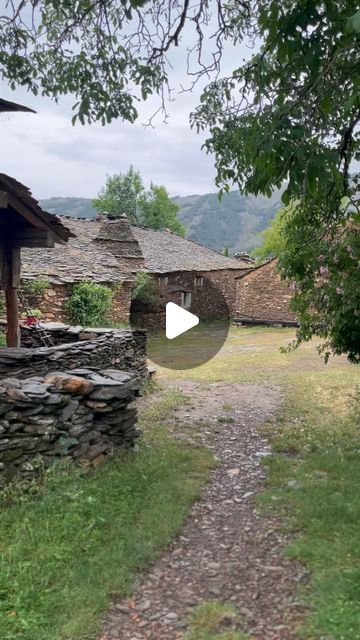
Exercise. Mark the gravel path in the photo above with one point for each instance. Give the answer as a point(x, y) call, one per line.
point(227, 550)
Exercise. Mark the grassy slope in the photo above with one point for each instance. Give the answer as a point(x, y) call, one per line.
point(314, 478)
point(85, 536)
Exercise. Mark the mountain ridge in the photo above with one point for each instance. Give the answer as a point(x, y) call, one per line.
point(235, 222)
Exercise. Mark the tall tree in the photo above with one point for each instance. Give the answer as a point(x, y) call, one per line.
point(120, 195)
point(291, 115)
point(158, 211)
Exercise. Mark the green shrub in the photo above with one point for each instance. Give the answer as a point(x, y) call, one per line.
point(89, 303)
point(144, 290)
point(35, 287)
point(2, 339)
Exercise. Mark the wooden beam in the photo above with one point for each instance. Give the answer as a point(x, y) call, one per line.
point(32, 218)
point(3, 199)
point(34, 238)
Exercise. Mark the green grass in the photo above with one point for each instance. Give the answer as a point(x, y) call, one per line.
point(215, 621)
point(314, 481)
point(85, 535)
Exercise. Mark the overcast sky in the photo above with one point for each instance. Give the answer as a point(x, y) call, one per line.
point(53, 158)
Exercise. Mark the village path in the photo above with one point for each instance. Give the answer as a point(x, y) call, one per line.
point(227, 551)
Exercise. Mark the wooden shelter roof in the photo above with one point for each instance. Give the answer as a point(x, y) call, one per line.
point(19, 203)
point(6, 105)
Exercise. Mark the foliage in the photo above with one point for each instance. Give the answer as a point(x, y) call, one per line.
point(158, 211)
point(273, 237)
point(279, 118)
point(121, 194)
point(144, 290)
point(124, 194)
point(226, 252)
point(108, 55)
point(215, 621)
point(314, 482)
point(2, 339)
point(35, 287)
point(69, 546)
point(89, 303)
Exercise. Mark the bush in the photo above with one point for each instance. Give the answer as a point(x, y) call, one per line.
point(89, 303)
point(144, 290)
point(35, 287)
point(2, 339)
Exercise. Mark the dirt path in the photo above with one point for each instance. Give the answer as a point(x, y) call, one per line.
point(227, 551)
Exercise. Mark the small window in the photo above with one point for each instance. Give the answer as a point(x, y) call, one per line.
point(163, 281)
point(185, 299)
point(199, 281)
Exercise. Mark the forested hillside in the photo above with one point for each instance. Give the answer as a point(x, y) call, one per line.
point(235, 222)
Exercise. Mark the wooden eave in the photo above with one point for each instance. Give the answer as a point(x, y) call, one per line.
point(6, 105)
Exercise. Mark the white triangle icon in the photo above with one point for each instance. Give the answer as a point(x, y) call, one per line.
point(178, 320)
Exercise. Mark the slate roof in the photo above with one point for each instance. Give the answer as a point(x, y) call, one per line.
point(165, 251)
point(80, 259)
point(110, 258)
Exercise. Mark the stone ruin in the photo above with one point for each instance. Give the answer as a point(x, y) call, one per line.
point(74, 400)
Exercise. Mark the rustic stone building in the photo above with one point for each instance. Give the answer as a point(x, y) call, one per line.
point(187, 274)
point(111, 252)
point(102, 251)
point(262, 297)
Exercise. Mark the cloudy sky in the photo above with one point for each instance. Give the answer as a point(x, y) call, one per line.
point(53, 158)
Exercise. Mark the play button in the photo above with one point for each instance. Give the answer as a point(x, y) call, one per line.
point(183, 336)
point(178, 320)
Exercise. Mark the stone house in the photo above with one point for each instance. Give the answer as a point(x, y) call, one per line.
point(262, 297)
point(92, 255)
point(187, 274)
point(111, 252)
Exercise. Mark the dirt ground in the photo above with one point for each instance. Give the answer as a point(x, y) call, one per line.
point(227, 551)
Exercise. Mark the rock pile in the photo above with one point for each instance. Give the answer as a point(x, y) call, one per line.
point(80, 413)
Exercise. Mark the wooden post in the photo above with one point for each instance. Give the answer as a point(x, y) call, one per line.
point(12, 317)
point(10, 281)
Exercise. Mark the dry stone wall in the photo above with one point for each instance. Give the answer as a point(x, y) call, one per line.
point(75, 347)
point(74, 400)
point(80, 414)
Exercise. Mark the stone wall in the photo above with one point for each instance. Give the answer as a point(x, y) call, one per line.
point(52, 302)
point(205, 302)
point(263, 297)
point(79, 414)
point(76, 347)
point(72, 400)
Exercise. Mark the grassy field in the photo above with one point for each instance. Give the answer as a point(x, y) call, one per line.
point(84, 536)
point(314, 476)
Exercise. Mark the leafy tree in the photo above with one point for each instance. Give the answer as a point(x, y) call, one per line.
point(226, 252)
point(273, 237)
point(109, 54)
point(280, 119)
point(121, 194)
point(158, 211)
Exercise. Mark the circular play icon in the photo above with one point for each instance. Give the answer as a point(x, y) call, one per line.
point(186, 325)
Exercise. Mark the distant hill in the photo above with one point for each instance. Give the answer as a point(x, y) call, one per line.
point(235, 222)
point(76, 207)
